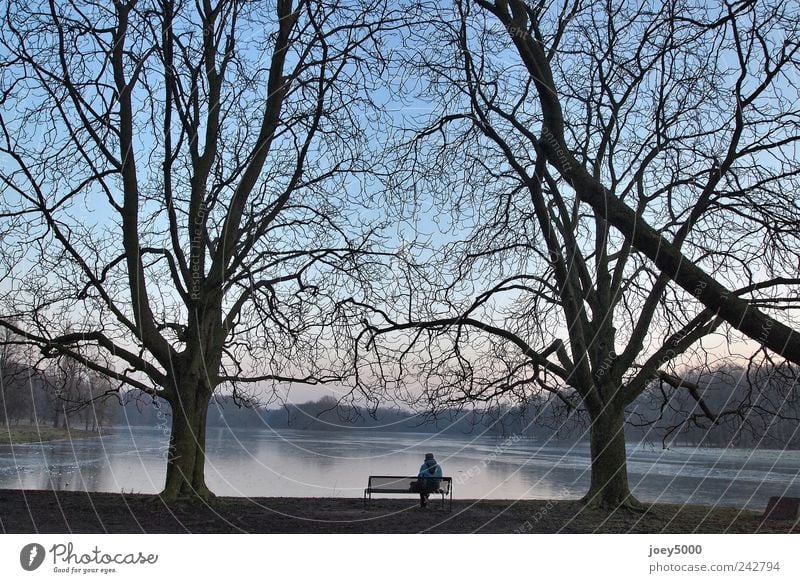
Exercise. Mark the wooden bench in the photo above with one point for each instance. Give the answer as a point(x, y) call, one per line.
point(403, 485)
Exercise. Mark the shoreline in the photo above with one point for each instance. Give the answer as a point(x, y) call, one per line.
point(26, 434)
point(46, 511)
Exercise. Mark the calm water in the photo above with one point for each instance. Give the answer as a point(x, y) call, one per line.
point(320, 463)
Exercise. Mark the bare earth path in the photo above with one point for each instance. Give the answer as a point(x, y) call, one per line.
point(34, 511)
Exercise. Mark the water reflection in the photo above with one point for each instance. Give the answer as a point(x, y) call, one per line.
point(305, 463)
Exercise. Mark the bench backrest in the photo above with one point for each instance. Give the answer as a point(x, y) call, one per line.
point(402, 483)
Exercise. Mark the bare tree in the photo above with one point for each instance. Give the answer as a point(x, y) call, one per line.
point(22, 386)
point(754, 121)
point(13, 374)
point(77, 397)
point(184, 178)
point(96, 401)
point(542, 294)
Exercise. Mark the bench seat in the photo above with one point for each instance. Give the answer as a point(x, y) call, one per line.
point(403, 485)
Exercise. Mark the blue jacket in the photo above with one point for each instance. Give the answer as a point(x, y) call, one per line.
point(431, 470)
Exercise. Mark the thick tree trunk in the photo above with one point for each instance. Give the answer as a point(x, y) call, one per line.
point(609, 485)
point(186, 458)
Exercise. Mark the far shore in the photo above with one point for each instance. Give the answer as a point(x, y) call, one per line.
point(11, 434)
point(44, 511)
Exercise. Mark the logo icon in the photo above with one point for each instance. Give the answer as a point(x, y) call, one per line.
point(31, 556)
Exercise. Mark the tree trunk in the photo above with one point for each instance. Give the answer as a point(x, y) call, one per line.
point(186, 457)
point(609, 485)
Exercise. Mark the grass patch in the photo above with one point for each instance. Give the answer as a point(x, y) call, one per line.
point(34, 434)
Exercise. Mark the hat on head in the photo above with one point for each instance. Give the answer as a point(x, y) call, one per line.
point(428, 456)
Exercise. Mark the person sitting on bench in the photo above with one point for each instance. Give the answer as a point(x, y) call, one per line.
point(429, 478)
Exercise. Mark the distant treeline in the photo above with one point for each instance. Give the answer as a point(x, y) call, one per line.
point(67, 396)
point(327, 414)
point(756, 407)
point(727, 406)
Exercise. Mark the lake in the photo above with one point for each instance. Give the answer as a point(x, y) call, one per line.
point(337, 463)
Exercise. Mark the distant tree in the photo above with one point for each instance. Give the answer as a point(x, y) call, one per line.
point(16, 382)
point(183, 178)
point(79, 398)
point(97, 398)
point(13, 404)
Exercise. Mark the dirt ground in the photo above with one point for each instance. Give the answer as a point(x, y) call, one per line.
point(34, 511)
